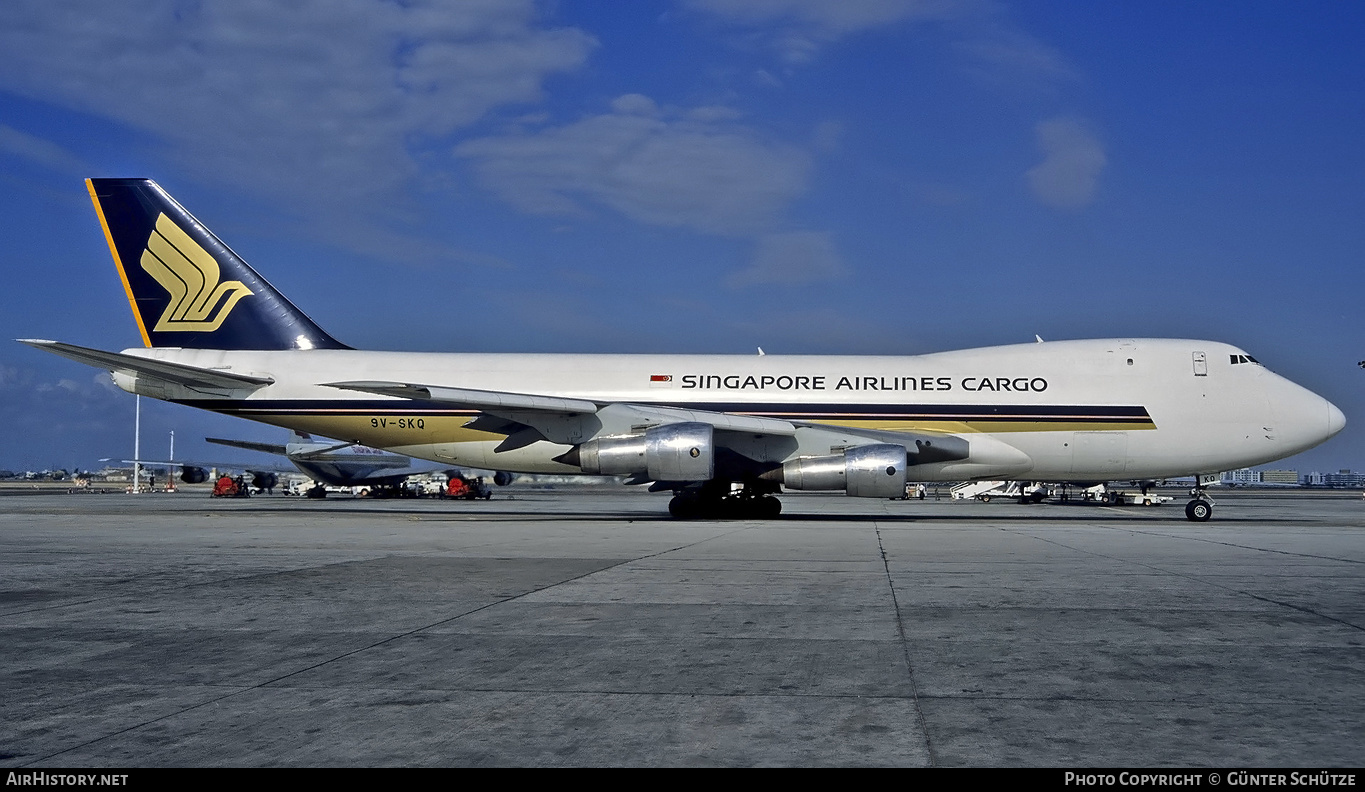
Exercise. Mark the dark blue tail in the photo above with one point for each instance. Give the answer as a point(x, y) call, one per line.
point(186, 287)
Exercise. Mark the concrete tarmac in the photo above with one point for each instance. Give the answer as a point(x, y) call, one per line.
point(586, 628)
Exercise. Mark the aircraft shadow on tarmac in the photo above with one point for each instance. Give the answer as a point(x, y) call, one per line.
point(533, 511)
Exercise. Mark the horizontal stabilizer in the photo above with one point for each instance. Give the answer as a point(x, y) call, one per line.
point(322, 451)
point(202, 465)
point(476, 399)
point(190, 376)
point(266, 448)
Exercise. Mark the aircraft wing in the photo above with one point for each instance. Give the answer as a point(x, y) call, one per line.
point(189, 376)
point(319, 462)
point(527, 418)
point(514, 407)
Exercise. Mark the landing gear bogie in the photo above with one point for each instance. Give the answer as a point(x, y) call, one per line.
point(707, 504)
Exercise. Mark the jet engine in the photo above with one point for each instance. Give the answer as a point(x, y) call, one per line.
point(502, 478)
point(193, 475)
point(870, 471)
point(672, 452)
point(264, 481)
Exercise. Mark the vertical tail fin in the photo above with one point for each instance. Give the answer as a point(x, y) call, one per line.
point(186, 287)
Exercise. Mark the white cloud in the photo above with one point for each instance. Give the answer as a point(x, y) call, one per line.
point(797, 29)
point(792, 257)
point(697, 169)
point(999, 51)
point(12, 378)
point(316, 104)
point(95, 389)
point(980, 30)
point(820, 18)
point(669, 168)
point(43, 152)
point(1073, 159)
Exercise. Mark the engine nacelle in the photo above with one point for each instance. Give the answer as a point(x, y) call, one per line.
point(502, 478)
point(264, 481)
point(871, 471)
point(672, 452)
point(193, 475)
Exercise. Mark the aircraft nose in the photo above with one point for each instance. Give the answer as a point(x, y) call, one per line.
point(1303, 418)
point(1336, 421)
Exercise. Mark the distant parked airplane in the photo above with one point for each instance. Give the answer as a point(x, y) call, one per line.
point(338, 464)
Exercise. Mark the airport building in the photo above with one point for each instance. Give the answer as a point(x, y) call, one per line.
point(1248, 477)
point(1279, 477)
point(1344, 479)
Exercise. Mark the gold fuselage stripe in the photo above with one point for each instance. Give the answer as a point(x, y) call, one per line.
point(447, 428)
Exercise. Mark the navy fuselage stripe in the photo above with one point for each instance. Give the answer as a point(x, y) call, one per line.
point(955, 412)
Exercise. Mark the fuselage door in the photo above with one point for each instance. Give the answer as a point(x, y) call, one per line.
point(1201, 364)
point(1099, 455)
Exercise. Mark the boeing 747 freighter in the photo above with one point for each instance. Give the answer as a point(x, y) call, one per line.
point(724, 433)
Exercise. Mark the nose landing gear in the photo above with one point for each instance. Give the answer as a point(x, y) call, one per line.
point(1201, 508)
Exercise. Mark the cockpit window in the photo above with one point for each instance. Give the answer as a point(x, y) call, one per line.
point(1244, 359)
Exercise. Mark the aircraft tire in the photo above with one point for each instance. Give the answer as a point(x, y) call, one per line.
point(1198, 510)
point(763, 507)
point(985, 498)
point(684, 507)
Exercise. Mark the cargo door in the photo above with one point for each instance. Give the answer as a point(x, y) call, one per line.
point(1103, 455)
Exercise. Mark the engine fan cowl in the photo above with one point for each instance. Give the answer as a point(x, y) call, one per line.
point(672, 452)
point(870, 471)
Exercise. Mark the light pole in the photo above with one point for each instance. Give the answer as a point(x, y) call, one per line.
point(170, 471)
point(137, 444)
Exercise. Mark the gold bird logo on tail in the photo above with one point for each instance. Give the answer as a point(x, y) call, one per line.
point(199, 302)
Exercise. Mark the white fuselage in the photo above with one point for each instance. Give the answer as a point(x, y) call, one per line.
point(1064, 411)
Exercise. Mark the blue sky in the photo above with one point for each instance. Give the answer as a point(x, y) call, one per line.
point(875, 176)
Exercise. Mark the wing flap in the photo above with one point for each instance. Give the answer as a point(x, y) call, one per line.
point(493, 401)
point(752, 424)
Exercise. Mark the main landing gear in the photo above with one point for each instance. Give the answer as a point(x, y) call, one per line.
point(715, 500)
point(1201, 508)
